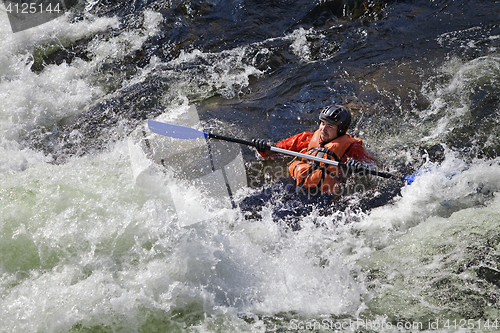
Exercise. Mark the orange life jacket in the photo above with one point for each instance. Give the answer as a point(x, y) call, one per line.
point(321, 177)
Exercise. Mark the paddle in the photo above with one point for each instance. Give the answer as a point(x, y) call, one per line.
point(188, 133)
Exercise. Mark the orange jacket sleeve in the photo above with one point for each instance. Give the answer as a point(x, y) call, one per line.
point(297, 142)
point(294, 143)
point(301, 141)
point(358, 153)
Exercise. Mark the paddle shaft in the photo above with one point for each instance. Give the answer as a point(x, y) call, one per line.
point(309, 157)
point(188, 133)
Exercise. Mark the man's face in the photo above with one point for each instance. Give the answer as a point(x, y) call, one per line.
point(327, 132)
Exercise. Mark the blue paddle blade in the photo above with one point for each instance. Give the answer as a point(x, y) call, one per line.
point(409, 179)
point(175, 131)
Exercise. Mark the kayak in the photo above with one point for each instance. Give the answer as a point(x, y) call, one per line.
point(290, 205)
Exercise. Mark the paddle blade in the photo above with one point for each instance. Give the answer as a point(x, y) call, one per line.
point(175, 131)
point(409, 179)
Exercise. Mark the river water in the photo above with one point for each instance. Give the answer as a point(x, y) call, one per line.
point(85, 248)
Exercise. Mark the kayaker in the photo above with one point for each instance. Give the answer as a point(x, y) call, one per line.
point(329, 141)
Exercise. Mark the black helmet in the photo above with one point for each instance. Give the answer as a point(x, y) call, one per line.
point(336, 115)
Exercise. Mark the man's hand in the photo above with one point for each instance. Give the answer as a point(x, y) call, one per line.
point(261, 145)
point(355, 166)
